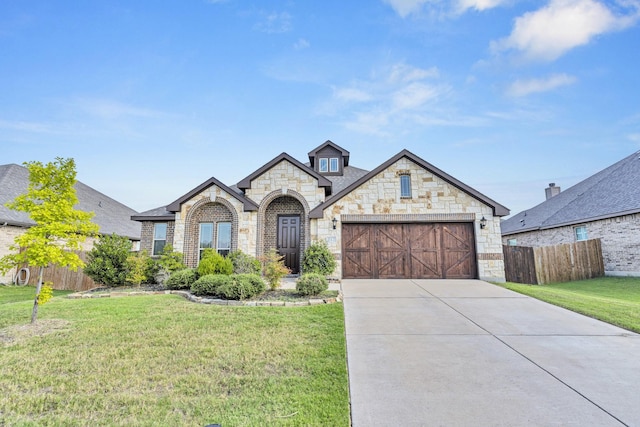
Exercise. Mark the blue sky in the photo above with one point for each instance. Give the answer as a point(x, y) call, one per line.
point(152, 98)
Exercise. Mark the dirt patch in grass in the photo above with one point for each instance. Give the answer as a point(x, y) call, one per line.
point(17, 334)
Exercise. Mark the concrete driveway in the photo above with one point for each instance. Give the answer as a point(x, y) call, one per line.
point(469, 353)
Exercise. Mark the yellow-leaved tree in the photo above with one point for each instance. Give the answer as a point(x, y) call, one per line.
point(59, 228)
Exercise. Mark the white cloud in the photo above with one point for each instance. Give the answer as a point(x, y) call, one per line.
point(351, 94)
point(414, 96)
point(406, 73)
point(395, 97)
point(525, 87)
point(562, 25)
point(274, 23)
point(405, 8)
point(479, 5)
point(301, 44)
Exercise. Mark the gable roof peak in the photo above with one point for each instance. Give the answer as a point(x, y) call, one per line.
point(498, 209)
point(246, 182)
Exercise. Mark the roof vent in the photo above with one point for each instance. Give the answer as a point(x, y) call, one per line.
point(552, 190)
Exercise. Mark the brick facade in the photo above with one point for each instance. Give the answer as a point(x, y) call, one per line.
point(285, 205)
point(212, 213)
point(146, 235)
point(620, 238)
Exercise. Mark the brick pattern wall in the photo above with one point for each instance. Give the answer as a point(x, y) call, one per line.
point(146, 235)
point(620, 238)
point(285, 205)
point(209, 212)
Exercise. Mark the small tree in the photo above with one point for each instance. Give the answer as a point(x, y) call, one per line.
point(107, 261)
point(137, 266)
point(274, 269)
point(59, 228)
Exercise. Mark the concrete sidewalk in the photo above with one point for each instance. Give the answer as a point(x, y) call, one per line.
point(469, 353)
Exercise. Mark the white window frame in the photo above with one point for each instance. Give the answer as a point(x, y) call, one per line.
point(156, 239)
point(200, 235)
point(323, 164)
point(512, 242)
point(218, 247)
point(580, 233)
point(407, 179)
point(334, 164)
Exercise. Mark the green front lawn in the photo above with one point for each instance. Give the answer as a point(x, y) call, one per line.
point(615, 300)
point(161, 360)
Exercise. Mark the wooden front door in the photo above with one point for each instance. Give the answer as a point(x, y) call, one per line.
point(417, 251)
point(289, 241)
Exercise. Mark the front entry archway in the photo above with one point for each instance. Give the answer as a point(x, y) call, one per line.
point(285, 229)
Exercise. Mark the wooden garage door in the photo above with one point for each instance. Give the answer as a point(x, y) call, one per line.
point(416, 251)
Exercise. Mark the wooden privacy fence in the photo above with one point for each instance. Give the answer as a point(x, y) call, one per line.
point(63, 278)
point(554, 264)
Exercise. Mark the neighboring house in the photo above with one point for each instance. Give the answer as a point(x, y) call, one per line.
point(404, 219)
point(605, 206)
point(110, 215)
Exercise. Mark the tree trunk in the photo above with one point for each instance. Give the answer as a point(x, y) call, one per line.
point(34, 313)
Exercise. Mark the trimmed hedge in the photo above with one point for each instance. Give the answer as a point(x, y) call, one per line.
point(181, 279)
point(241, 286)
point(209, 284)
point(311, 284)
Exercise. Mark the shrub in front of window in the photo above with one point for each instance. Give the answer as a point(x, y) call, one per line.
point(241, 286)
point(214, 263)
point(209, 284)
point(318, 259)
point(168, 262)
point(311, 284)
point(181, 279)
point(244, 263)
point(107, 261)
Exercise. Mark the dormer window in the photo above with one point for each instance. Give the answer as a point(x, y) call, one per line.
point(323, 165)
point(329, 159)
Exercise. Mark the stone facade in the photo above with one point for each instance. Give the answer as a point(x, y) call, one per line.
point(433, 200)
point(286, 187)
point(8, 234)
point(620, 238)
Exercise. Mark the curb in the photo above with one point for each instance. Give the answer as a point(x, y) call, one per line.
point(214, 301)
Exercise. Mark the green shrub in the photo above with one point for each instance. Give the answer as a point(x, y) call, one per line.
point(318, 259)
point(107, 261)
point(244, 263)
point(181, 279)
point(274, 268)
point(214, 263)
point(311, 284)
point(209, 284)
point(241, 286)
point(171, 261)
point(137, 266)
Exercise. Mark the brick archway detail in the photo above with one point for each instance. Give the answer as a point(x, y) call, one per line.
point(191, 230)
point(262, 209)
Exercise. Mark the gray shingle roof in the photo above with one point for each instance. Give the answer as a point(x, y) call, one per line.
point(612, 192)
point(110, 215)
